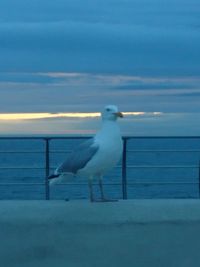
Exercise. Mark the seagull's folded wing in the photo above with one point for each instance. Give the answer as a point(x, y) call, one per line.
point(79, 157)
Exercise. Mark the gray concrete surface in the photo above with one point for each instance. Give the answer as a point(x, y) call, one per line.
point(135, 233)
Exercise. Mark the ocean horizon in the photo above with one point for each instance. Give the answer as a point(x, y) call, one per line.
point(133, 124)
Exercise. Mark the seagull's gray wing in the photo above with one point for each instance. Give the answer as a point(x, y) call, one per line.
point(79, 157)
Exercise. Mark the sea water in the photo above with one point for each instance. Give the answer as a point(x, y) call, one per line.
point(156, 168)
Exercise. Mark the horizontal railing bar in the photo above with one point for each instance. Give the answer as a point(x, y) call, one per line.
point(129, 166)
point(60, 151)
point(162, 137)
point(42, 137)
point(9, 184)
point(111, 177)
point(164, 183)
point(153, 183)
point(89, 136)
point(68, 184)
point(22, 168)
point(86, 184)
point(68, 151)
point(161, 150)
point(158, 166)
point(117, 183)
point(133, 151)
point(32, 152)
point(162, 166)
point(24, 152)
point(24, 138)
point(153, 166)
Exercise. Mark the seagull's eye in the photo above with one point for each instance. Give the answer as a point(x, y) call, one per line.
point(108, 109)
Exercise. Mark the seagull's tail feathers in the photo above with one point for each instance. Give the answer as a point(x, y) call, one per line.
point(52, 176)
point(54, 179)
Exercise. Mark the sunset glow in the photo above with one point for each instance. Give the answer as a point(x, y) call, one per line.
point(32, 116)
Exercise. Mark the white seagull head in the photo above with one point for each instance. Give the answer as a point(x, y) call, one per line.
point(111, 113)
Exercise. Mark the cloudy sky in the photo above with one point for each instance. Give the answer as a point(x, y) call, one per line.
point(77, 56)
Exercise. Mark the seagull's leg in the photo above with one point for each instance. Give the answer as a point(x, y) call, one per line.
point(103, 199)
point(101, 187)
point(91, 189)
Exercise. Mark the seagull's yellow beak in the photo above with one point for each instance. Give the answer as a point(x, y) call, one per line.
point(119, 114)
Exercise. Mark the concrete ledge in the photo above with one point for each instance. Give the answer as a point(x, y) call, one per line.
point(79, 233)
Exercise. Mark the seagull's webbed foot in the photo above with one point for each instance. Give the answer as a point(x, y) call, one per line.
point(109, 200)
point(106, 200)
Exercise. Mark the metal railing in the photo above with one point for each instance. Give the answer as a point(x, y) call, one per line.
point(124, 166)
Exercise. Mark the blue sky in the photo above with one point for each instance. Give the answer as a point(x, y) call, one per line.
point(74, 55)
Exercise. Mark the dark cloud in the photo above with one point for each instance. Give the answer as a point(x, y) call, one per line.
point(121, 38)
point(156, 86)
point(114, 36)
point(63, 92)
point(189, 95)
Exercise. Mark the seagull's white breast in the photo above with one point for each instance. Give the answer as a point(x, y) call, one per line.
point(109, 152)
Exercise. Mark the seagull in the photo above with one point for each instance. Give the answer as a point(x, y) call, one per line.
point(97, 155)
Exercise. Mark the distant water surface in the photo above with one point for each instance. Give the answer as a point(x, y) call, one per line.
point(154, 169)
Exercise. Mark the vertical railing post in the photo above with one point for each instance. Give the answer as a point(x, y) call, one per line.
point(46, 168)
point(199, 179)
point(124, 178)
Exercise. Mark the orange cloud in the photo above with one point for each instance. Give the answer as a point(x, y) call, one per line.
point(28, 116)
